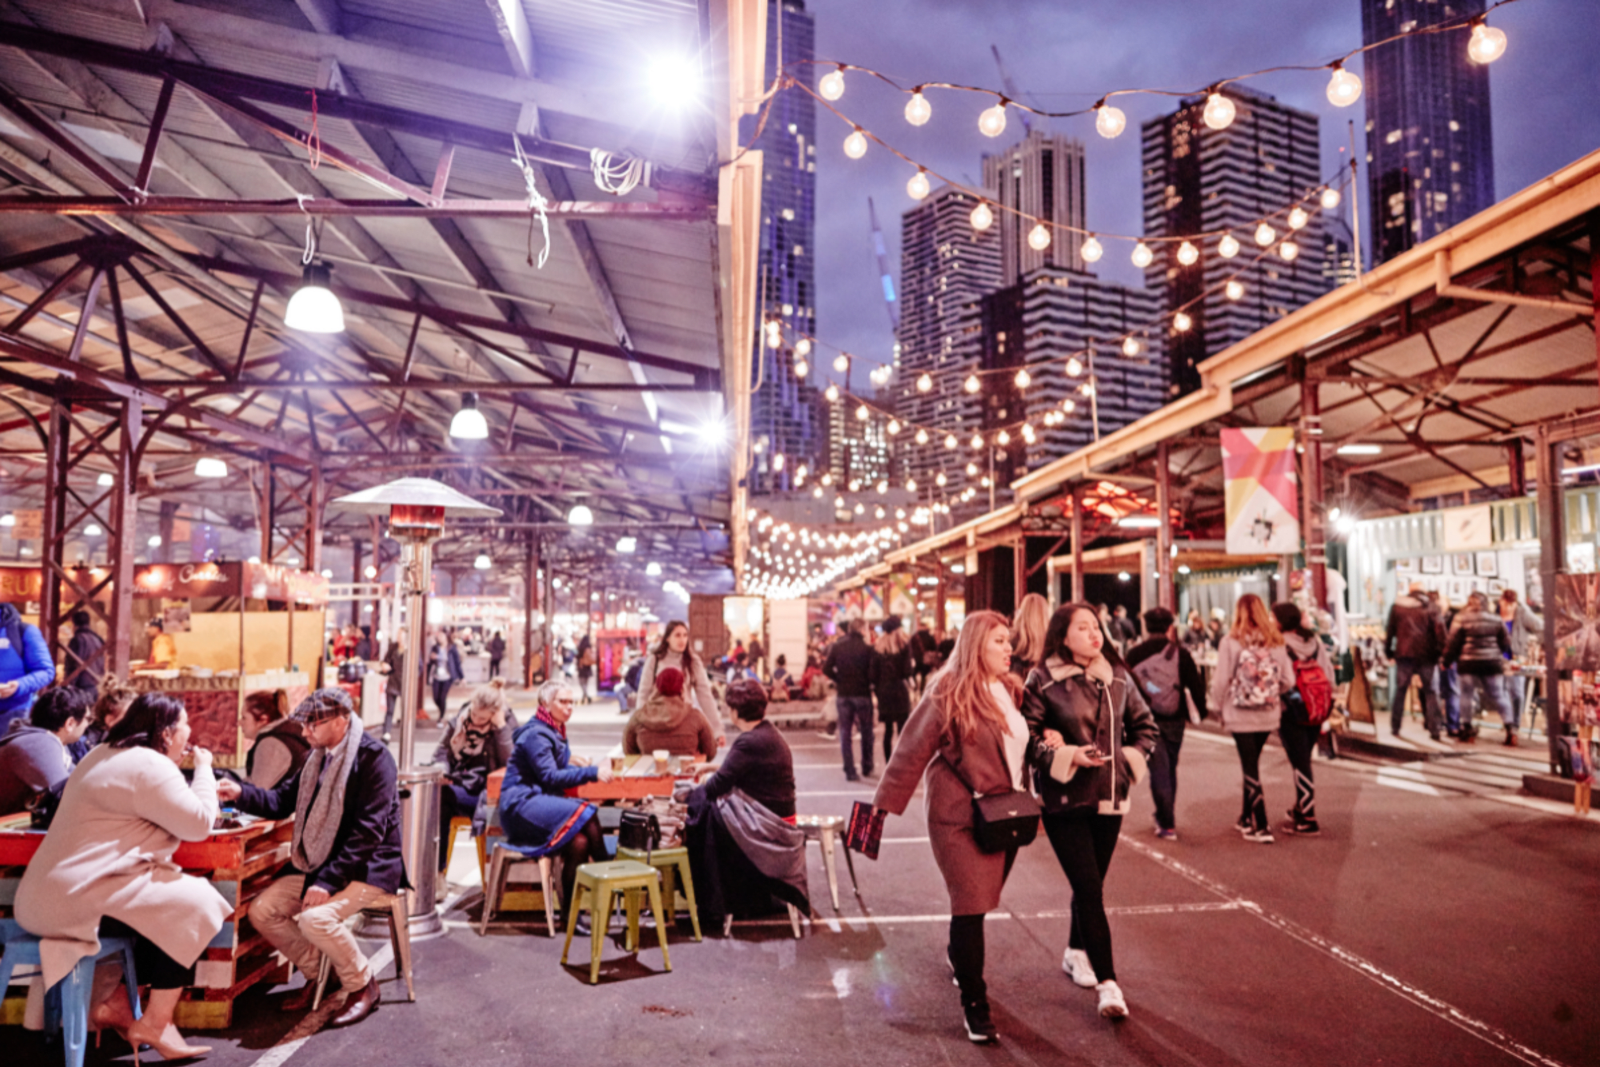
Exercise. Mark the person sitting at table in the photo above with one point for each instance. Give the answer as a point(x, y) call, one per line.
point(279, 745)
point(105, 869)
point(36, 755)
point(534, 809)
point(476, 743)
point(345, 851)
point(668, 721)
point(745, 853)
point(116, 696)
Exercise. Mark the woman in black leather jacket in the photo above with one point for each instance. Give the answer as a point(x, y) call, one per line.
point(1092, 734)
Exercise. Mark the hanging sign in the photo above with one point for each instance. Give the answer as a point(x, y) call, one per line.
point(29, 526)
point(1467, 528)
point(1262, 495)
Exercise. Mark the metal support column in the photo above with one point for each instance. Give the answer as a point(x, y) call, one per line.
point(1517, 464)
point(1313, 509)
point(1019, 572)
point(58, 462)
point(530, 601)
point(1552, 565)
point(1166, 593)
point(121, 541)
point(1077, 545)
point(940, 594)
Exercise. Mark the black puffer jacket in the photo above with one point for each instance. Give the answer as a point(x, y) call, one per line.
point(1478, 643)
point(1101, 706)
point(1414, 630)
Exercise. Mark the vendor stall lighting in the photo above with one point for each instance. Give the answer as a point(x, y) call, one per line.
point(917, 188)
point(627, 545)
point(801, 368)
point(972, 385)
point(1360, 450)
point(1344, 88)
point(483, 562)
point(468, 424)
point(1330, 199)
point(992, 123)
point(1487, 44)
point(1188, 254)
point(580, 515)
point(1039, 237)
point(1289, 250)
point(1142, 256)
point(1091, 250)
point(1183, 568)
point(1219, 112)
point(652, 570)
point(105, 481)
point(918, 110)
point(832, 84)
point(1234, 290)
point(855, 145)
point(1228, 247)
point(1298, 219)
point(982, 216)
point(1109, 122)
point(313, 308)
point(210, 467)
point(1023, 379)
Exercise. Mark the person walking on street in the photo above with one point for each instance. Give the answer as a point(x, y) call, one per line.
point(1253, 672)
point(497, 654)
point(673, 651)
point(1092, 735)
point(393, 663)
point(85, 664)
point(1523, 627)
point(965, 738)
point(924, 657)
point(1123, 631)
point(1415, 640)
point(1309, 655)
point(1478, 646)
point(1027, 634)
point(1195, 636)
point(444, 671)
point(1171, 683)
point(849, 664)
point(891, 680)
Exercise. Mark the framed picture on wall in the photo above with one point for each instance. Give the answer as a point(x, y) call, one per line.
point(1458, 589)
point(1488, 565)
point(1496, 587)
point(1432, 564)
point(1461, 564)
point(1405, 566)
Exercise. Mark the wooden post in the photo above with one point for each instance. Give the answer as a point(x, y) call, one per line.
point(1019, 572)
point(1166, 594)
point(1077, 545)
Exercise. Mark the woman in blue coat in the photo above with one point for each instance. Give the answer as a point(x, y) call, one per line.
point(534, 809)
point(25, 666)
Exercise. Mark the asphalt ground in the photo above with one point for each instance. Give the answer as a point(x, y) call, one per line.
point(1418, 929)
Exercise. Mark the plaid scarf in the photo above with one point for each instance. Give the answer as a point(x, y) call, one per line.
point(550, 720)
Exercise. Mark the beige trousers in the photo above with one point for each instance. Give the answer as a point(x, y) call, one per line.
point(303, 934)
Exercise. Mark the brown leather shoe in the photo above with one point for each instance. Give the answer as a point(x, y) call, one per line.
point(300, 999)
point(359, 1006)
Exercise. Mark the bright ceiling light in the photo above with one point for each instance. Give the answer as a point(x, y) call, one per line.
point(371, 572)
point(469, 423)
point(627, 545)
point(1139, 522)
point(92, 530)
point(155, 541)
point(580, 515)
point(483, 562)
point(106, 480)
point(313, 308)
point(1360, 450)
point(210, 467)
point(674, 80)
point(652, 570)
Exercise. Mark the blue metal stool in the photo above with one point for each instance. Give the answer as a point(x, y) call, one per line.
point(67, 1002)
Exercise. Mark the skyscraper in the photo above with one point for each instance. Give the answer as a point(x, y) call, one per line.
point(946, 268)
point(1042, 177)
point(1430, 156)
point(785, 415)
point(1198, 180)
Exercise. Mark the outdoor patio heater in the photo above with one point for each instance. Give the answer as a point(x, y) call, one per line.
point(417, 510)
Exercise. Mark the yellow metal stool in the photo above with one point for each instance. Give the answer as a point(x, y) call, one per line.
point(606, 883)
point(673, 863)
point(449, 843)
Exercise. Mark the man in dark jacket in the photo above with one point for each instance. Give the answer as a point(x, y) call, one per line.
point(924, 656)
point(35, 756)
point(346, 849)
point(1478, 646)
point(1170, 706)
point(1415, 641)
point(849, 664)
point(85, 664)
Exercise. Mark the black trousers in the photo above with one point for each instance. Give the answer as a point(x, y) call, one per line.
point(441, 698)
point(454, 802)
point(1164, 771)
point(156, 969)
point(1299, 741)
point(1254, 811)
point(1083, 841)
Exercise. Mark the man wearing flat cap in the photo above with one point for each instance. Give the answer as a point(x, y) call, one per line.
point(346, 850)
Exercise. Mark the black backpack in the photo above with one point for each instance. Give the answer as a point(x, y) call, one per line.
point(633, 675)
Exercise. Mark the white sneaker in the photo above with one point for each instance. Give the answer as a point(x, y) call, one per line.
point(1076, 963)
point(1112, 1006)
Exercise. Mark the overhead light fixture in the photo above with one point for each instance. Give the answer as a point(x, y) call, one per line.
point(580, 515)
point(627, 545)
point(652, 570)
point(483, 562)
point(371, 572)
point(1139, 522)
point(469, 423)
point(1360, 450)
point(155, 541)
point(313, 308)
point(8, 520)
point(105, 481)
point(210, 467)
point(92, 530)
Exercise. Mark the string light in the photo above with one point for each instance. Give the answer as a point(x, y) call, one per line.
point(855, 485)
point(774, 334)
point(972, 470)
point(855, 145)
point(924, 382)
point(1487, 44)
point(992, 123)
point(1288, 250)
point(917, 188)
point(1219, 112)
point(1344, 88)
point(1068, 405)
point(1002, 438)
point(1091, 250)
point(1265, 234)
point(1228, 247)
point(1142, 256)
point(801, 368)
point(972, 384)
point(802, 347)
point(977, 441)
point(1109, 122)
point(832, 393)
point(918, 110)
point(1330, 198)
point(1234, 289)
point(1298, 219)
point(894, 427)
point(1023, 379)
point(862, 413)
point(922, 437)
point(1188, 254)
point(950, 440)
point(911, 487)
point(982, 217)
point(1131, 347)
point(1074, 366)
point(1181, 322)
point(1039, 237)
point(832, 84)
point(841, 363)
point(883, 487)
point(940, 480)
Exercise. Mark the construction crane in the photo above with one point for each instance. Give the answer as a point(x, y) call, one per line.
point(1011, 89)
point(882, 249)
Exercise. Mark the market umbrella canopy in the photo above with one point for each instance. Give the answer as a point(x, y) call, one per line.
point(415, 492)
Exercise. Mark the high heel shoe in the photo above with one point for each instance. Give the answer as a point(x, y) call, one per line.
point(168, 1043)
point(114, 1014)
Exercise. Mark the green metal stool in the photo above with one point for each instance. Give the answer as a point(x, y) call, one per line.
point(606, 882)
point(673, 863)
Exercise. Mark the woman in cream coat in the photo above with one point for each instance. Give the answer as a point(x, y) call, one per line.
point(673, 651)
point(106, 867)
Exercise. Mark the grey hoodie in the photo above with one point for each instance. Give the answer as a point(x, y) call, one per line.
point(32, 760)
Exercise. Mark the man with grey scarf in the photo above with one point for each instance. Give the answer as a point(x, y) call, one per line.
point(346, 850)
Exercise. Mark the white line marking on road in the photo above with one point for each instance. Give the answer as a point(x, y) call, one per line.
point(837, 923)
point(306, 1028)
point(1483, 1031)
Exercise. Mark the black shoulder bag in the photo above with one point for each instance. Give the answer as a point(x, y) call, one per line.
point(1003, 821)
point(640, 831)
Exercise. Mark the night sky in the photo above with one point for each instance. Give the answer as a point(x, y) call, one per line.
point(1065, 55)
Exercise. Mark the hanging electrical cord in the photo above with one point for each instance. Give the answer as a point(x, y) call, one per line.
point(537, 204)
point(617, 175)
point(310, 251)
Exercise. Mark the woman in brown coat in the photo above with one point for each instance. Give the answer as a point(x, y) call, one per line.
point(667, 720)
point(969, 737)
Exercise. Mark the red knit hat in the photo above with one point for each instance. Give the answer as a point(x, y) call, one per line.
point(670, 682)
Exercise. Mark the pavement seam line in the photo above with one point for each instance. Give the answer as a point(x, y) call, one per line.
point(1483, 1031)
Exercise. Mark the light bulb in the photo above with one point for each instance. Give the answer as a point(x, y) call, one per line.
point(911, 487)
point(972, 385)
point(1091, 251)
point(155, 542)
point(1188, 254)
point(841, 363)
point(1234, 289)
point(922, 437)
point(1228, 247)
point(1068, 406)
point(1142, 256)
point(893, 427)
point(1288, 250)
point(802, 347)
point(1330, 199)
point(924, 382)
point(883, 486)
point(106, 480)
point(1039, 237)
point(832, 84)
point(1487, 45)
point(210, 467)
point(777, 462)
point(838, 501)
point(950, 440)
point(982, 217)
point(1002, 438)
point(580, 515)
point(862, 413)
point(918, 110)
point(469, 423)
point(1219, 112)
point(1109, 121)
point(855, 146)
point(774, 335)
point(1131, 346)
point(827, 477)
point(1344, 88)
point(801, 368)
point(313, 308)
point(483, 562)
point(917, 187)
point(1074, 366)
point(977, 441)
point(1298, 219)
point(1023, 379)
point(992, 123)
point(832, 393)
point(1181, 322)
point(1265, 235)
point(816, 491)
point(972, 469)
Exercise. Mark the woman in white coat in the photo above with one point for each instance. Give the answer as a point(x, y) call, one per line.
point(105, 868)
point(673, 651)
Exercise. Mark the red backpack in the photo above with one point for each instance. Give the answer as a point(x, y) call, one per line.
point(1316, 689)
